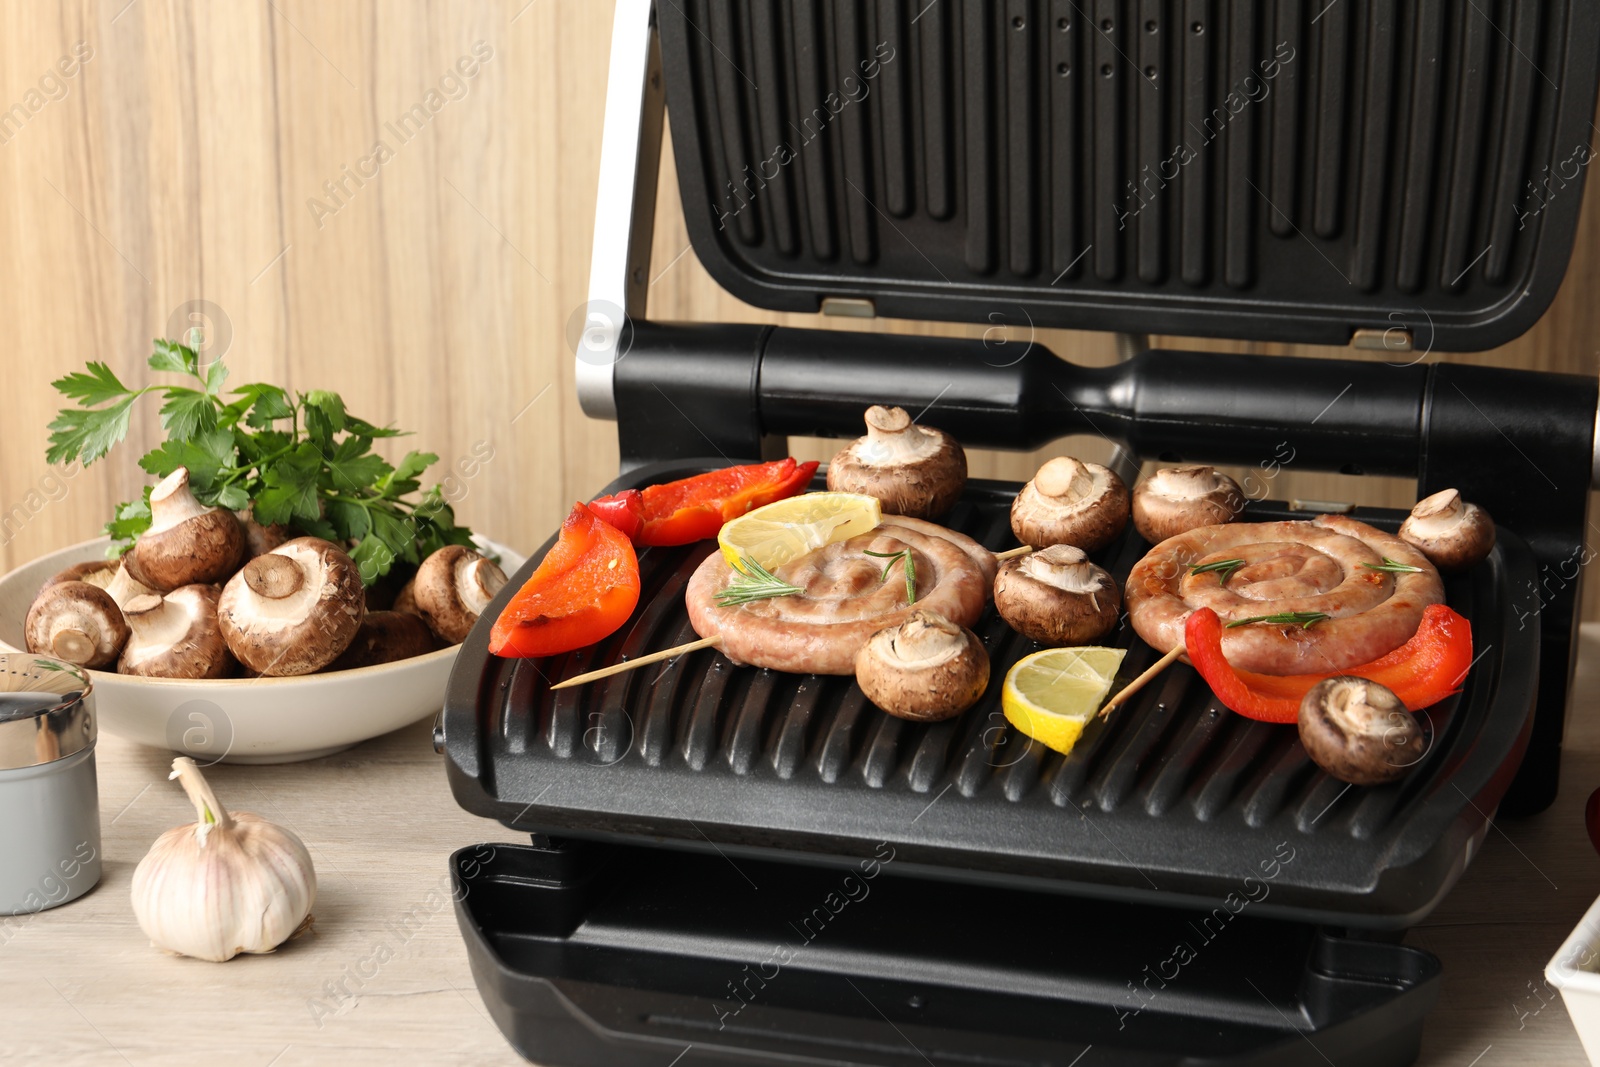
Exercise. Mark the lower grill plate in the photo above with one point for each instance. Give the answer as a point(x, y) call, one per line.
point(1174, 800)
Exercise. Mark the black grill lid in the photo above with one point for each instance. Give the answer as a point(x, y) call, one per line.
point(1255, 169)
point(1174, 800)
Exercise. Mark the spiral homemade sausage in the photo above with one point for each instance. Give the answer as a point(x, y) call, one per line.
point(844, 598)
point(1324, 565)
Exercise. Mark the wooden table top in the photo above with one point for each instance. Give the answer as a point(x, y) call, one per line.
point(385, 980)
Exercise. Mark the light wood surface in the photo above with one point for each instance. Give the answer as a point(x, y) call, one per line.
point(185, 159)
point(80, 984)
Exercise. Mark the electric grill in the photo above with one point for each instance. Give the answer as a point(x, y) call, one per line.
point(738, 865)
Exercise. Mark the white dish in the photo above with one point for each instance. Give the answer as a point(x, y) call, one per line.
point(246, 720)
point(1575, 970)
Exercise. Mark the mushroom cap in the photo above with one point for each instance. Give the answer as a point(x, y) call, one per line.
point(1069, 502)
point(1452, 533)
point(294, 609)
point(384, 637)
point(925, 669)
point(97, 572)
point(1359, 731)
point(259, 539)
point(451, 589)
point(175, 636)
point(406, 599)
point(76, 622)
point(1175, 500)
point(1057, 597)
point(187, 543)
point(912, 470)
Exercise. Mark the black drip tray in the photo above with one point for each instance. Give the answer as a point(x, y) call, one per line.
point(624, 956)
point(1172, 801)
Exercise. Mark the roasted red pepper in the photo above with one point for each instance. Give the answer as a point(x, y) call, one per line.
point(692, 509)
point(624, 510)
point(584, 589)
point(1421, 672)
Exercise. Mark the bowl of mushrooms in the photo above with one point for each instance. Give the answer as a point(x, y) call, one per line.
point(228, 641)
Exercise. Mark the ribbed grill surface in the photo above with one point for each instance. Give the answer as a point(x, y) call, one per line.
point(1173, 794)
point(1064, 162)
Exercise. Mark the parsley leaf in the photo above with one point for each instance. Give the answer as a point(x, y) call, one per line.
point(187, 413)
point(352, 466)
point(296, 459)
point(85, 434)
point(174, 357)
point(93, 386)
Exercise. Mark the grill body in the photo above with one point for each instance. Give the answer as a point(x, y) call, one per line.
point(1402, 177)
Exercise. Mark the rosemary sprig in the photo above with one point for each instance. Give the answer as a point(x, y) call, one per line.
point(910, 567)
point(1223, 567)
point(1303, 619)
point(1393, 567)
point(755, 583)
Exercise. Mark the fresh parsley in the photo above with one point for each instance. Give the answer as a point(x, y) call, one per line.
point(296, 459)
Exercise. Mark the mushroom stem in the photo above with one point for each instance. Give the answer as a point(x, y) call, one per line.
point(1438, 513)
point(272, 576)
point(71, 637)
point(891, 436)
point(123, 587)
point(171, 501)
point(1064, 478)
point(478, 582)
point(926, 641)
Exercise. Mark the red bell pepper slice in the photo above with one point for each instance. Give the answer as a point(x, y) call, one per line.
point(692, 509)
point(624, 510)
point(1421, 672)
point(583, 590)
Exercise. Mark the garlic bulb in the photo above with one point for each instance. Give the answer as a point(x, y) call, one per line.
point(225, 885)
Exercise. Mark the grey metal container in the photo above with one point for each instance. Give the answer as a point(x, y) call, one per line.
point(49, 799)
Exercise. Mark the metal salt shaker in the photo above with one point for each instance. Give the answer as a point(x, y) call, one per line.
point(49, 799)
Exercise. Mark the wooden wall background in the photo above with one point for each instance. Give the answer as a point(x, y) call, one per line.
point(177, 169)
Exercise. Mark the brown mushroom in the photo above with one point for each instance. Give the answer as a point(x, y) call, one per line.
point(259, 539)
point(97, 572)
point(451, 589)
point(405, 600)
point(1057, 597)
point(1175, 500)
point(76, 622)
point(1070, 502)
point(385, 636)
point(1452, 533)
point(912, 470)
point(925, 669)
point(187, 543)
point(175, 636)
point(294, 609)
point(1359, 731)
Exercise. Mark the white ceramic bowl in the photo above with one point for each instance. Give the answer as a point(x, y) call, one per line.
point(246, 720)
point(1575, 970)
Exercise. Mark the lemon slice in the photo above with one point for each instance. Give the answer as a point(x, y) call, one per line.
point(787, 529)
point(1051, 695)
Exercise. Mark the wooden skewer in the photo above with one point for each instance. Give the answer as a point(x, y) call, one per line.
point(642, 661)
point(1013, 553)
point(1143, 680)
